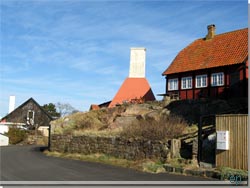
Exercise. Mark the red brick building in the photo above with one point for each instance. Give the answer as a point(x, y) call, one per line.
point(215, 66)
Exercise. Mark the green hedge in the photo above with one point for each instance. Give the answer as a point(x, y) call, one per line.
point(16, 135)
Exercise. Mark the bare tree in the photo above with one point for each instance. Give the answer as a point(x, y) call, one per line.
point(65, 109)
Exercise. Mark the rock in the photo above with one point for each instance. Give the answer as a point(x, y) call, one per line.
point(123, 121)
point(160, 170)
point(168, 168)
point(155, 115)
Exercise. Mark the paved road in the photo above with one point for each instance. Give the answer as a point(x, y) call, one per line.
point(28, 163)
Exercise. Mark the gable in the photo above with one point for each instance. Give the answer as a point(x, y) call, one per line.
point(222, 50)
point(19, 115)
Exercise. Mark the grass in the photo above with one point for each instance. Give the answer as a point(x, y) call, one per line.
point(227, 172)
point(167, 127)
point(145, 165)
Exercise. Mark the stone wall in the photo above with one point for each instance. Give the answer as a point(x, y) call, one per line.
point(131, 149)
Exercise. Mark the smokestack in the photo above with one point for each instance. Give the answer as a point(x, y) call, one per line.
point(210, 32)
point(137, 63)
point(12, 103)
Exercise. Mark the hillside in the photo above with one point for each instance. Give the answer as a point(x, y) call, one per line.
point(129, 119)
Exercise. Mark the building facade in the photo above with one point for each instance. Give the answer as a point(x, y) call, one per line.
point(212, 67)
point(29, 114)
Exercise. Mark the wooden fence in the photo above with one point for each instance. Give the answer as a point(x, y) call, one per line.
point(237, 155)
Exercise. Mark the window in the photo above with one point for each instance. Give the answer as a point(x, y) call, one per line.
point(173, 84)
point(217, 79)
point(30, 117)
point(186, 83)
point(201, 81)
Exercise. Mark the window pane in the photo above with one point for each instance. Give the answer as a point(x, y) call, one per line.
point(199, 81)
point(184, 86)
point(214, 80)
point(204, 81)
point(220, 82)
point(189, 83)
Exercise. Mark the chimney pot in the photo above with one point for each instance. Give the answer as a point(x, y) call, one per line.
point(211, 32)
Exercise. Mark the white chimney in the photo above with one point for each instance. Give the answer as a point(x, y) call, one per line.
point(137, 63)
point(12, 103)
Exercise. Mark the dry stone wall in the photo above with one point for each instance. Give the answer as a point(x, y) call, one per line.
point(131, 149)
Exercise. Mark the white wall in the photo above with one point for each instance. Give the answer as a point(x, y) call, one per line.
point(44, 130)
point(4, 140)
point(137, 63)
point(4, 129)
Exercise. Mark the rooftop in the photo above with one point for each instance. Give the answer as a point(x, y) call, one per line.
point(221, 50)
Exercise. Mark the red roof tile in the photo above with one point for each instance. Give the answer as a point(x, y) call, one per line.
point(224, 49)
point(133, 88)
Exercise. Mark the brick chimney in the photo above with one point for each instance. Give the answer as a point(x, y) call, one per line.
point(210, 32)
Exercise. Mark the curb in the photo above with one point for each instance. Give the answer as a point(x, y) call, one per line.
point(198, 172)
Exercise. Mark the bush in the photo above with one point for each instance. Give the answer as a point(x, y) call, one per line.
point(16, 135)
point(227, 172)
point(167, 127)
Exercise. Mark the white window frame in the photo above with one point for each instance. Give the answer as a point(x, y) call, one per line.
point(217, 79)
point(186, 82)
point(30, 117)
point(203, 81)
point(173, 87)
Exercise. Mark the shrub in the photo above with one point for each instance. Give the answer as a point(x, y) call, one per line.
point(16, 135)
point(167, 127)
point(227, 172)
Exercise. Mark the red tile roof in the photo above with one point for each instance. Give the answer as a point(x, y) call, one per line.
point(224, 49)
point(131, 89)
point(94, 107)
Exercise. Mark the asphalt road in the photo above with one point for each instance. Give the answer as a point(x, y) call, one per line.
point(28, 163)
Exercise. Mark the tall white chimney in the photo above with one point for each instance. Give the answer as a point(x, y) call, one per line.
point(12, 103)
point(137, 63)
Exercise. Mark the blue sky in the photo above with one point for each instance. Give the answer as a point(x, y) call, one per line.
point(78, 51)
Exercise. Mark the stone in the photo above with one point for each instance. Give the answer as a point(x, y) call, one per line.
point(119, 147)
point(175, 148)
point(178, 170)
point(168, 168)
